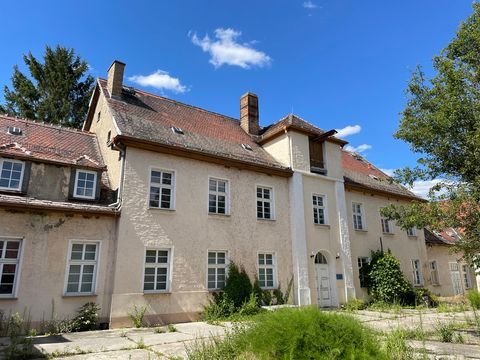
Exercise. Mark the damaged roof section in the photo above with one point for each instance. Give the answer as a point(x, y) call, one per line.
point(49, 143)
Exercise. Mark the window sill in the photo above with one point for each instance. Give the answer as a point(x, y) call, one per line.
point(161, 209)
point(157, 292)
point(418, 285)
point(266, 220)
point(219, 215)
point(8, 297)
point(361, 230)
point(322, 226)
point(436, 285)
point(388, 233)
point(74, 295)
point(413, 237)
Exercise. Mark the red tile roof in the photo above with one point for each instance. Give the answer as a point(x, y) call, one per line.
point(446, 237)
point(49, 143)
point(358, 172)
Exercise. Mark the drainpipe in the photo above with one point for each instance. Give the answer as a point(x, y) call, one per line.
point(118, 204)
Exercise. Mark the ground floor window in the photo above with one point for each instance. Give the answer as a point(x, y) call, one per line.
point(467, 280)
point(157, 267)
point(266, 270)
point(9, 263)
point(417, 272)
point(434, 273)
point(217, 269)
point(82, 268)
point(361, 262)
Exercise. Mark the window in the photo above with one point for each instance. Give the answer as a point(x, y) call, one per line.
point(317, 163)
point(217, 269)
point(157, 267)
point(319, 209)
point(467, 281)
point(361, 262)
point(162, 187)
point(266, 270)
point(82, 266)
point(434, 273)
point(357, 209)
point(9, 263)
point(417, 272)
point(85, 184)
point(412, 231)
point(386, 226)
point(217, 196)
point(11, 174)
point(264, 203)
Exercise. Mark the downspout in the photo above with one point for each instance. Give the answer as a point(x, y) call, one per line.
point(122, 150)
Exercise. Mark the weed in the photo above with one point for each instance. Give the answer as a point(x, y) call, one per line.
point(137, 314)
point(355, 304)
point(159, 330)
point(445, 331)
point(396, 346)
point(473, 297)
point(171, 328)
point(140, 344)
point(87, 318)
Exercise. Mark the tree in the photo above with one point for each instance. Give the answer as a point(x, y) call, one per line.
point(441, 122)
point(57, 92)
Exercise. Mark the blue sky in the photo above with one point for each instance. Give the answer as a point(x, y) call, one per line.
point(335, 63)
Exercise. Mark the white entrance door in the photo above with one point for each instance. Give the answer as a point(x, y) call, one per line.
point(456, 279)
point(322, 277)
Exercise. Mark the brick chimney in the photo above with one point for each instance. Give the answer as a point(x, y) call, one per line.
point(249, 113)
point(115, 79)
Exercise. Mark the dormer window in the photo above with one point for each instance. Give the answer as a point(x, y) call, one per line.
point(12, 130)
point(11, 174)
point(247, 147)
point(177, 130)
point(317, 162)
point(85, 184)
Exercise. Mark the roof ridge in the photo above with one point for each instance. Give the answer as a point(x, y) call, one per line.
point(48, 125)
point(181, 103)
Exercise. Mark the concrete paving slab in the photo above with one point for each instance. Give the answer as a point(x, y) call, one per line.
point(448, 349)
point(158, 339)
point(137, 354)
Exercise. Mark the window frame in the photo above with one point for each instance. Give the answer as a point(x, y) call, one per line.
point(271, 201)
point(95, 185)
point(216, 266)
point(227, 196)
point(359, 266)
point(95, 263)
point(265, 266)
point(466, 277)
point(416, 271)
point(22, 174)
point(156, 265)
point(412, 232)
point(431, 271)
point(172, 187)
point(324, 207)
point(387, 226)
point(18, 263)
point(361, 214)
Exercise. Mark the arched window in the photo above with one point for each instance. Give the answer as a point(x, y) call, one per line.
point(320, 259)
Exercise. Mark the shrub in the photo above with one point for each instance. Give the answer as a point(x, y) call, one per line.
point(301, 333)
point(355, 304)
point(445, 332)
point(87, 318)
point(396, 346)
point(220, 308)
point(473, 297)
point(238, 286)
point(425, 297)
point(137, 315)
point(250, 307)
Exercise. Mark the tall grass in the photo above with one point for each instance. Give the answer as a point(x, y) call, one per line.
point(304, 333)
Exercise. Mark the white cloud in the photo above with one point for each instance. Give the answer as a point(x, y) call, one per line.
point(348, 130)
point(422, 187)
point(160, 80)
point(358, 149)
point(309, 5)
point(226, 50)
point(389, 172)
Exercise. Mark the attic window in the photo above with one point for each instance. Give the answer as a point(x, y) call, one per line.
point(177, 130)
point(14, 130)
point(374, 177)
point(247, 147)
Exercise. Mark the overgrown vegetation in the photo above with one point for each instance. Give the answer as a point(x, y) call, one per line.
point(241, 297)
point(473, 297)
point(300, 333)
point(87, 318)
point(136, 315)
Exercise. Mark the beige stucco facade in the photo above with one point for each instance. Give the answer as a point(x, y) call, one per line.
point(189, 232)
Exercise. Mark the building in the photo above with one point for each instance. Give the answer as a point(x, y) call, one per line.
point(179, 193)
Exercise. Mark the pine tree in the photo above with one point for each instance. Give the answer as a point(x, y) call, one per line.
point(57, 91)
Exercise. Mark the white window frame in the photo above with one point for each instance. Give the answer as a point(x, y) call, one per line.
point(317, 207)
point(417, 276)
point(360, 264)
point(466, 277)
point(17, 262)
point(217, 266)
point(360, 214)
point(161, 186)
point(387, 227)
point(217, 193)
point(157, 265)
point(95, 181)
point(82, 262)
point(412, 232)
point(19, 188)
point(266, 267)
point(271, 201)
point(434, 279)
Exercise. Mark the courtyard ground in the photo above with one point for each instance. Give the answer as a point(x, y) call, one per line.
point(159, 343)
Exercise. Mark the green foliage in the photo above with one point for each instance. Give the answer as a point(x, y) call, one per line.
point(355, 304)
point(385, 280)
point(396, 346)
point(301, 333)
point(250, 307)
point(19, 347)
point(238, 286)
point(474, 299)
point(220, 308)
point(445, 332)
point(440, 122)
point(58, 91)
point(136, 315)
point(171, 328)
point(87, 318)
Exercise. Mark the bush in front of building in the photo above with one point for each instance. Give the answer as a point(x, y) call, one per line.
point(473, 297)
